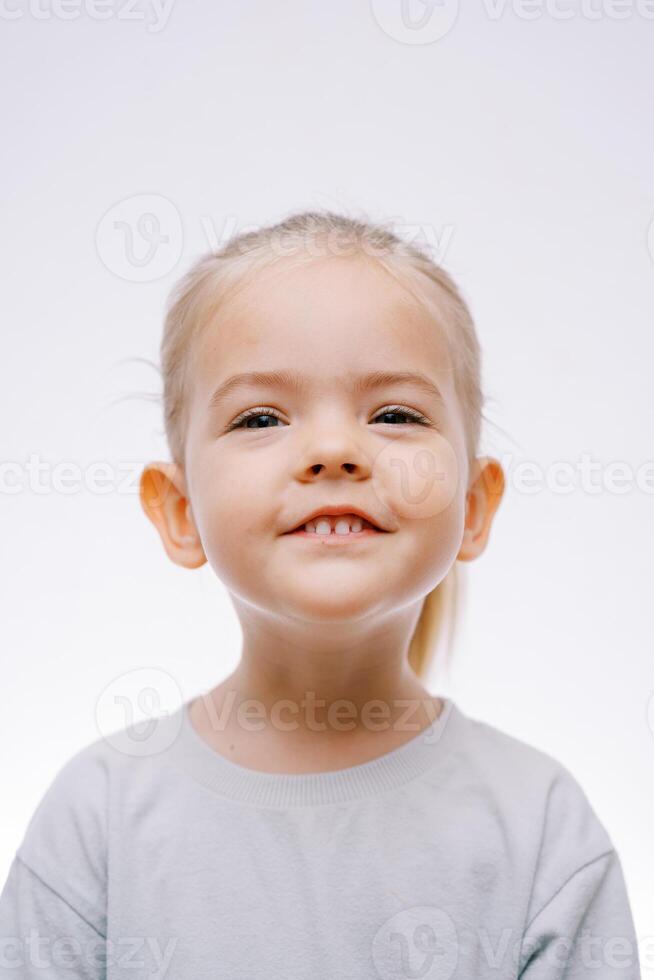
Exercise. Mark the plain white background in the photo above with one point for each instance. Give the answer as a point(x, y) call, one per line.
point(518, 142)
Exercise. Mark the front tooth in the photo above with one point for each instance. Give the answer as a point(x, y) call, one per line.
point(342, 525)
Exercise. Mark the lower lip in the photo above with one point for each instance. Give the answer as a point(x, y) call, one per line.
point(333, 539)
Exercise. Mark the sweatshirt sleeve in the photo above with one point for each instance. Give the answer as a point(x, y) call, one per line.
point(53, 904)
point(42, 935)
point(585, 930)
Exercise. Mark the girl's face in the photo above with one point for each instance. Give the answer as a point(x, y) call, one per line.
point(326, 438)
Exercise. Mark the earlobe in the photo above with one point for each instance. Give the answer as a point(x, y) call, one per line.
point(162, 492)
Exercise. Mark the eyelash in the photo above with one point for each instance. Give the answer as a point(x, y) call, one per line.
point(416, 417)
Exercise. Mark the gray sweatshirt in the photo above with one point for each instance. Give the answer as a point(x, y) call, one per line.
point(465, 853)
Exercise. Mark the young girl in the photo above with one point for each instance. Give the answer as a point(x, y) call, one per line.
point(320, 814)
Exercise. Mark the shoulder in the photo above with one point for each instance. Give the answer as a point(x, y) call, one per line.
point(538, 801)
point(66, 841)
point(513, 766)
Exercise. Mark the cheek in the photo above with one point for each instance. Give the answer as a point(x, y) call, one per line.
point(231, 544)
point(228, 504)
point(417, 480)
point(230, 495)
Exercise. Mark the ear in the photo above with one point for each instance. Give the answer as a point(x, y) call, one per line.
point(483, 497)
point(164, 499)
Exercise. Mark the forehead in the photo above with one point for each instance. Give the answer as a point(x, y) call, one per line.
point(319, 317)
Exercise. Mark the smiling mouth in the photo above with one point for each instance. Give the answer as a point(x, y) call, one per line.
point(328, 527)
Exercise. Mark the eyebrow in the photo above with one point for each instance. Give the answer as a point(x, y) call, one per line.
point(295, 382)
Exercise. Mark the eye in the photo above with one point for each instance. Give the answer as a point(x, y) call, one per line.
point(254, 413)
point(400, 410)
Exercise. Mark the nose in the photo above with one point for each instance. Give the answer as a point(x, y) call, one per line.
point(333, 451)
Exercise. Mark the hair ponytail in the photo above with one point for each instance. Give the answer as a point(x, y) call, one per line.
point(438, 624)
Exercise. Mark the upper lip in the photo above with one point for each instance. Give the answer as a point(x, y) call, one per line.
point(334, 510)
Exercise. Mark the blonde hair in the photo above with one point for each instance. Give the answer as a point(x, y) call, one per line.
point(306, 236)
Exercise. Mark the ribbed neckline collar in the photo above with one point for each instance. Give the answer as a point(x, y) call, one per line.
point(195, 757)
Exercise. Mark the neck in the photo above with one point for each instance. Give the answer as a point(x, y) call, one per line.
point(316, 697)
